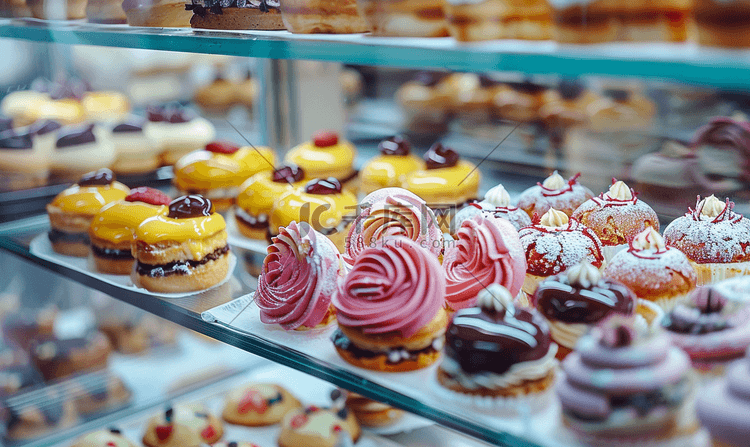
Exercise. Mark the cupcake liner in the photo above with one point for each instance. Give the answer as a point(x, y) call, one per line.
point(716, 272)
point(609, 251)
point(669, 303)
point(530, 284)
point(651, 312)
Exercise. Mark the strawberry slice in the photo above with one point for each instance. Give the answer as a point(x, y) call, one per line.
point(164, 431)
point(222, 147)
point(148, 195)
point(298, 421)
point(254, 401)
point(325, 138)
point(208, 433)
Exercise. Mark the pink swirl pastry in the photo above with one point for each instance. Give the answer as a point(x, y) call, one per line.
point(400, 213)
point(394, 287)
point(487, 251)
point(299, 277)
point(622, 383)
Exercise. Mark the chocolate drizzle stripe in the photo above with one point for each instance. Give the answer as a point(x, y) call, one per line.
point(178, 267)
point(61, 236)
point(111, 253)
point(341, 341)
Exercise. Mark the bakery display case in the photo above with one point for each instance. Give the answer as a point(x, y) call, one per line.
point(493, 229)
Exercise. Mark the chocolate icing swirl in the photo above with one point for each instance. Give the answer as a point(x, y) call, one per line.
point(288, 174)
point(397, 145)
point(102, 177)
point(440, 157)
point(193, 205)
point(77, 137)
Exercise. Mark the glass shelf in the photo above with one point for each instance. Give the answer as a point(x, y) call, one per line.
point(16, 236)
point(678, 62)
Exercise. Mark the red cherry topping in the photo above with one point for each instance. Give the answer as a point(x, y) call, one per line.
point(298, 421)
point(208, 433)
point(163, 432)
point(325, 138)
point(111, 444)
point(337, 429)
point(222, 147)
point(254, 401)
point(148, 195)
point(312, 409)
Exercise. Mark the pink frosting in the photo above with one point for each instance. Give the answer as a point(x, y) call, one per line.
point(395, 286)
point(487, 251)
point(394, 215)
point(299, 277)
point(724, 406)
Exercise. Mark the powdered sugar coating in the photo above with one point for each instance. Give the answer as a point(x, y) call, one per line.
point(705, 239)
point(651, 274)
point(516, 216)
point(550, 251)
point(539, 199)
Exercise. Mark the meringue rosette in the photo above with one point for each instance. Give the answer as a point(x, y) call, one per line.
point(487, 251)
point(299, 278)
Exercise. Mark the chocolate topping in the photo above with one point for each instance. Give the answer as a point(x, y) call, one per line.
point(222, 147)
point(323, 186)
point(111, 253)
point(618, 95)
point(10, 140)
point(570, 88)
point(46, 127)
point(558, 300)
point(61, 236)
point(288, 174)
point(178, 267)
point(168, 414)
point(487, 82)
point(186, 207)
point(527, 87)
point(483, 340)
point(429, 78)
point(115, 431)
point(232, 444)
point(168, 114)
point(6, 124)
point(397, 145)
point(128, 127)
point(440, 157)
point(77, 137)
point(102, 177)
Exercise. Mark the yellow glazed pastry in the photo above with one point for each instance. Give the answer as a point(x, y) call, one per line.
point(112, 230)
point(391, 167)
point(184, 251)
point(325, 156)
point(72, 211)
point(106, 107)
point(259, 193)
point(445, 184)
point(218, 171)
point(322, 204)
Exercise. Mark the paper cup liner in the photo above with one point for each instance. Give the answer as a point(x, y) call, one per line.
point(651, 312)
point(668, 303)
point(609, 251)
point(530, 284)
point(716, 272)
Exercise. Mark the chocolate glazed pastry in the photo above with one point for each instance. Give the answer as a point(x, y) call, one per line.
point(236, 14)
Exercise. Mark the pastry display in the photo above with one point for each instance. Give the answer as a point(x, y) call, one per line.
point(135, 335)
point(184, 251)
point(391, 167)
point(219, 95)
point(326, 156)
point(177, 131)
point(645, 396)
point(720, 24)
point(258, 404)
point(24, 163)
point(471, 97)
point(446, 183)
point(158, 13)
point(527, 20)
point(81, 149)
point(621, 111)
point(498, 351)
point(555, 243)
point(105, 106)
point(554, 192)
point(46, 9)
point(398, 18)
point(50, 411)
point(258, 195)
point(616, 216)
point(721, 148)
point(111, 437)
point(24, 107)
point(497, 204)
point(393, 212)
point(390, 310)
point(136, 152)
point(56, 358)
point(299, 277)
point(183, 426)
point(18, 377)
point(22, 327)
point(487, 251)
point(712, 328)
point(665, 21)
point(653, 270)
point(577, 300)
point(321, 203)
point(587, 21)
point(112, 230)
point(724, 406)
point(218, 171)
point(105, 11)
point(238, 14)
point(519, 103)
point(73, 210)
point(97, 393)
point(470, 21)
point(426, 103)
point(322, 17)
point(371, 413)
point(319, 427)
point(714, 238)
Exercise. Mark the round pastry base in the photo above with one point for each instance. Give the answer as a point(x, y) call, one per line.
point(77, 249)
point(380, 362)
point(200, 278)
point(240, 18)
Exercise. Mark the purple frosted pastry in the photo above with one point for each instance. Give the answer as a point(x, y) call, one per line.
point(625, 384)
point(724, 407)
point(711, 328)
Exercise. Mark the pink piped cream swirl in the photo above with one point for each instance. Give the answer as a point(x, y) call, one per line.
point(487, 251)
point(394, 215)
point(394, 287)
point(299, 277)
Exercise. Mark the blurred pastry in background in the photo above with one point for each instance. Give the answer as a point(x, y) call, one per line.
point(17, 378)
point(391, 167)
point(62, 357)
point(14, 8)
point(426, 104)
point(405, 18)
point(136, 152)
point(723, 148)
point(183, 426)
point(527, 20)
point(319, 427)
point(323, 17)
point(107, 107)
point(216, 97)
point(58, 10)
point(564, 109)
point(51, 409)
point(520, 102)
point(473, 20)
point(658, 21)
point(471, 98)
point(236, 14)
point(326, 156)
point(621, 109)
point(371, 413)
point(721, 24)
point(157, 13)
point(110, 437)
point(586, 21)
point(258, 405)
point(99, 392)
point(22, 327)
point(138, 333)
point(23, 164)
point(352, 84)
point(177, 131)
point(80, 149)
point(105, 11)
point(246, 91)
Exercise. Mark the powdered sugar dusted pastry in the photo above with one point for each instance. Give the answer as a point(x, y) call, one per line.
point(401, 18)
point(81, 149)
point(616, 216)
point(111, 437)
point(157, 13)
point(555, 193)
point(322, 17)
point(398, 325)
point(555, 243)
point(183, 426)
point(653, 270)
point(258, 404)
point(237, 14)
point(393, 212)
point(487, 251)
point(299, 277)
point(714, 238)
point(177, 131)
point(496, 203)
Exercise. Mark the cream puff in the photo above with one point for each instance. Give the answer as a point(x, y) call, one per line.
point(555, 192)
point(136, 152)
